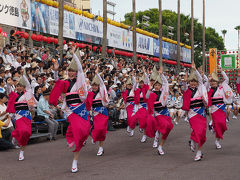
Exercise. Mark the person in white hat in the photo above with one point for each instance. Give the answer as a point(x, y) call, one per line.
point(160, 119)
point(75, 90)
point(195, 99)
point(128, 97)
point(20, 103)
point(97, 101)
point(141, 103)
point(219, 95)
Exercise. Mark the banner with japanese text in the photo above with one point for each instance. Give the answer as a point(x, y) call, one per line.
point(212, 60)
point(15, 13)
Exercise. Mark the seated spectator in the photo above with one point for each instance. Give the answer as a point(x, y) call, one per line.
point(43, 110)
point(5, 121)
point(2, 86)
point(37, 93)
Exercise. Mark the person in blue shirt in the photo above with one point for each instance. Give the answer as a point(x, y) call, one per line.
point(2, 84)
point(43, 109)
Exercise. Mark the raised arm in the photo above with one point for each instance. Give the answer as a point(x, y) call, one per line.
point(146, 80)
point(103, 91)
point(28, 85)
point(78, 63)
point(199, 77)
point(226, 79)
point(134, 83)
point(206, 82)
point(55, 68)
point(165, 90)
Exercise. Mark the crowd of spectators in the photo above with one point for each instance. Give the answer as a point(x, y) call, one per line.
point(37, 62)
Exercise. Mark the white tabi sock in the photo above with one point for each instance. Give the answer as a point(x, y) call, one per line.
point(21, 154)
point(74, 164)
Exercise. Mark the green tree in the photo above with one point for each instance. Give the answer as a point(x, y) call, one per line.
point(224, 32)
point(169, 18)
point(238, 29)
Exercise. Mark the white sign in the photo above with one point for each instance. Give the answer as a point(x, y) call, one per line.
point(228, 61)
point(15, 13)
point(119, 38)
point(144, 44)
point(88, 26)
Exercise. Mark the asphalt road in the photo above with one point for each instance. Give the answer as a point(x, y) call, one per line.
point(126, 158)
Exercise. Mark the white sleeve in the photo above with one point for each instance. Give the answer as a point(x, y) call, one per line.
point(103, 91)
point(200, 79)
point(55, 75)
point(165, 91)
point(134, 83)
point(78, 63)
point(206, 82)
point(146, 80)
point(226, 79)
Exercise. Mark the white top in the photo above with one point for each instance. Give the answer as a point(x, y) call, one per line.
point(3, 108)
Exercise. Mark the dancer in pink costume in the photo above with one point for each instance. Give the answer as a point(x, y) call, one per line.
point(160, 119)
point(218, 96)
point(128, 98)
point(20, 103)
point(141, 103)
point(75, 90)
point(195, 99)
point(96, 101)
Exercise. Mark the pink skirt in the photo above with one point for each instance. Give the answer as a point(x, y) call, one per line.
point(151, 126)
point(219, 123)
point(22, 131)
point(131, 120)
point(164, 125)
point(78, 131)
point(141, 117)
point(100, 127)
point(198, 124)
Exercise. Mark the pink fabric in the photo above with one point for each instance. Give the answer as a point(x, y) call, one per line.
point(131, 120)
point(141, 117)
point(78, 131)
point(89, 100)
point(22, 131)
point(138, 92)
point(186, 99)
point(164, 125)
point(11, 102)
point(151, 127)
point(150, 104)
point(60, 87)
point(210, 92)
point(238, 88)
point(198, 124)
point(100, 127)
point(219, 123)
point(124, 95)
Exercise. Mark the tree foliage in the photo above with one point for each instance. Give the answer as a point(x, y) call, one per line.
point(213, 39)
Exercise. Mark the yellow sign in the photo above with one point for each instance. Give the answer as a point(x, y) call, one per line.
point(212, 59)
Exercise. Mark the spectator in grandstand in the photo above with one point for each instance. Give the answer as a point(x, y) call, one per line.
point(43, 109)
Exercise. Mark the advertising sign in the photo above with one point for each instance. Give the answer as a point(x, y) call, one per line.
point(144, 44)
point(15, 13)
point(88, 26)
point(169, 51)
point(212, 59)
point(228, 61)
point(30, 14)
